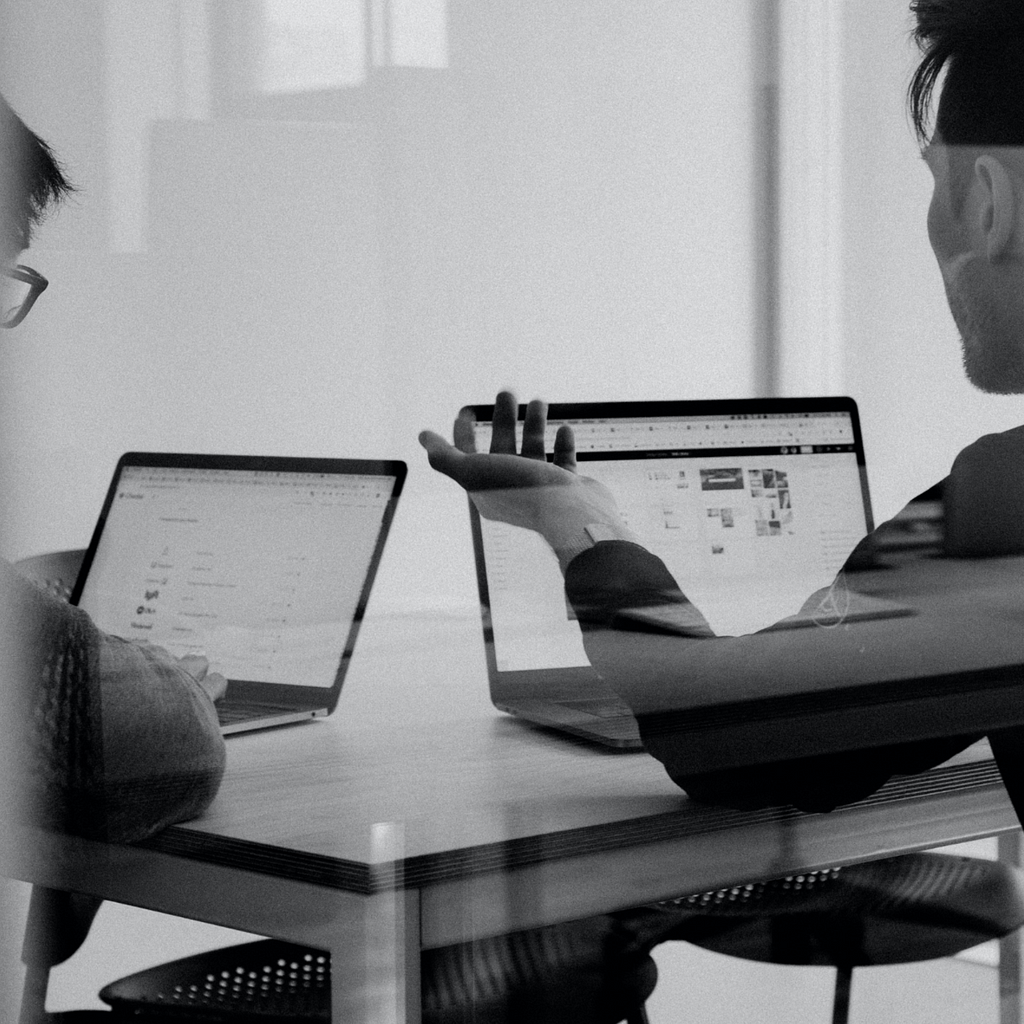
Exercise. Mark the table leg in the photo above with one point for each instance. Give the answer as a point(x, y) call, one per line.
point(375, 960)
point(1010, 948)
point(1008, 751)
point(375, 963)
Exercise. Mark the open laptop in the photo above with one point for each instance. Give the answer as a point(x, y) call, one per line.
point(753, 505)
point(261, 564)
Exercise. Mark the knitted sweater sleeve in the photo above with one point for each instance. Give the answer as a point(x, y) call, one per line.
point(101, 737)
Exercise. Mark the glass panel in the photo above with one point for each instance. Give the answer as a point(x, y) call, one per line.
point(312, 44)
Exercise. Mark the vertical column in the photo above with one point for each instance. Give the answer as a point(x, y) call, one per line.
point(375, 962)
point(1011, 949)
point(766, 352)
point(141, 77)
point(810, 198)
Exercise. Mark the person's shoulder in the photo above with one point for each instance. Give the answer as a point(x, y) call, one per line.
point(984, 495)
point(1004, 443)
point(989, 467)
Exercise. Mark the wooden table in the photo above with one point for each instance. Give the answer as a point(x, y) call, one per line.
point(418, 816)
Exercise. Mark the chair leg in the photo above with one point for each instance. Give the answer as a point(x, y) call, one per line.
point(56, 927)
point(33, 995)
point(841, 1004)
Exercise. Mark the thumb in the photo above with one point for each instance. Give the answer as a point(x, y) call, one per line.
point(196, 665)
point(441, 455)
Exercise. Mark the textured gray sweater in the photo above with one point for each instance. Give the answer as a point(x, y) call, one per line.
point(99, 737)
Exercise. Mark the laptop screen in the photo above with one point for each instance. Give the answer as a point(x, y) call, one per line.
point(751, 505)
point(262, 570)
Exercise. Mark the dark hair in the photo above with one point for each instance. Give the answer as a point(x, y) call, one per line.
point(980, 44)
point(31, 179)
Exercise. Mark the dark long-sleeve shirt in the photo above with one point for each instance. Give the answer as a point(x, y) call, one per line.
point(651, 645)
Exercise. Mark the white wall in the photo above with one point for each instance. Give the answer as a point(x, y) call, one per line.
point(565, 208)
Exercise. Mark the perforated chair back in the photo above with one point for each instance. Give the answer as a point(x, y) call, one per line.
point(596, 971)
point(902, 910)
point(264, 981)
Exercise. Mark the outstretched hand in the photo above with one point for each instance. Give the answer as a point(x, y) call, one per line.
point(525, 489)
point(502, 468)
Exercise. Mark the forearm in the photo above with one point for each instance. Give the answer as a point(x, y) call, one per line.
point(164, 756)
point(654, 649)
point(640, 632)
point(100, 740)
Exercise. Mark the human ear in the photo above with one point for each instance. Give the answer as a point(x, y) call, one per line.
point(999, 208)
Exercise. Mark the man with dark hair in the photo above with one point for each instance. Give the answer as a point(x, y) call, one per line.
point(102, 738)
point(976, 228)
point(976, 155)
point(34, 180)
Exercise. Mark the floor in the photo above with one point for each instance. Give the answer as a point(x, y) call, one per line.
point(706, 988)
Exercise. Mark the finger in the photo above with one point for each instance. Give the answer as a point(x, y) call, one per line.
point(195, 665)
point(464, 431)
point(215, 685)
point(565, 448)
point(533, 429)
point(442, 456)
point(503, 435)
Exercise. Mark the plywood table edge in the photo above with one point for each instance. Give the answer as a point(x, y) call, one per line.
point(690, 822)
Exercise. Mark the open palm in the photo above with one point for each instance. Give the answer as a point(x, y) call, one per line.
point(523, 489)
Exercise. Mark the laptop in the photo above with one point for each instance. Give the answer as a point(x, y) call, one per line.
point(263, 565)
point(752, 504)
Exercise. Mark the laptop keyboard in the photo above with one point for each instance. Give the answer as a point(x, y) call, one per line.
point(232, 714)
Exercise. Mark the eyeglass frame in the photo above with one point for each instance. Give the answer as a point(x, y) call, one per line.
point(37, 285)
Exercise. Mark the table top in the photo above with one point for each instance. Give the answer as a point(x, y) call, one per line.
point(415, 743)
point(416, 753)
point(418, 781)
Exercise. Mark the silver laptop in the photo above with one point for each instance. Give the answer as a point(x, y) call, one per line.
point(753, 505)
point(263, 565)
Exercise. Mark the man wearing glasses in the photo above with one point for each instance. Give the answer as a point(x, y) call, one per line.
point(99, 736)
point(21, 287)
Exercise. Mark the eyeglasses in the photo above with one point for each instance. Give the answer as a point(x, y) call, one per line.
point(19, 288)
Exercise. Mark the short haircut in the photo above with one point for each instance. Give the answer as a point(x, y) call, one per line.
point(980, 45)
point(31, 179)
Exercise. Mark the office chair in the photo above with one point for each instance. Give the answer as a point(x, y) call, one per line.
point(906, 909)
point(595, 971)
point(917, 907)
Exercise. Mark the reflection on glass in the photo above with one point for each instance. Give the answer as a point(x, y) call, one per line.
point(315, 45)
point(310, 45)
